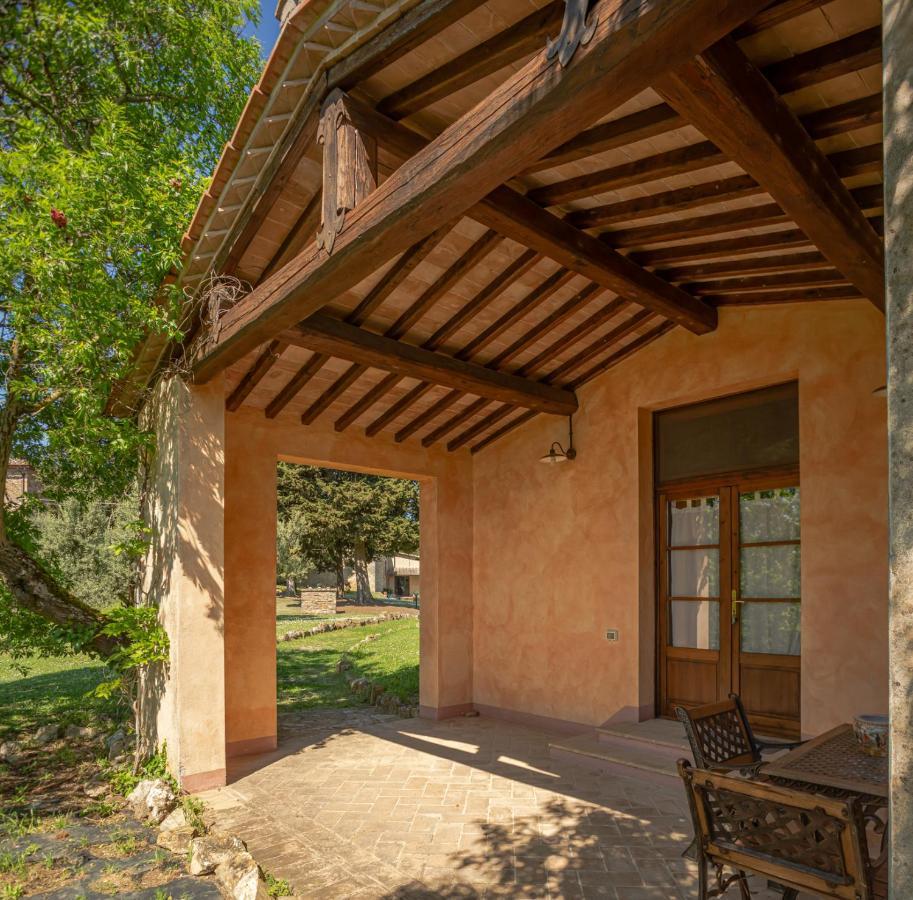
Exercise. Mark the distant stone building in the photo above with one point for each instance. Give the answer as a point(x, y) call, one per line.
point(398, 576)
point(20, 480)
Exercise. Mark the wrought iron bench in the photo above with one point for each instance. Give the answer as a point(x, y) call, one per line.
point(721, 737)
point(802, 841)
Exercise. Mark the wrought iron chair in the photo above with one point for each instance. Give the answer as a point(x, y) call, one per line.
point(721, 737)
point(802, 841)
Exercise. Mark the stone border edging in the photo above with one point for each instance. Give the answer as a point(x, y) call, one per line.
point(339, 624)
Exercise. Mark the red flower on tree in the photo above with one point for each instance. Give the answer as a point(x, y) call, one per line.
point(58, 218)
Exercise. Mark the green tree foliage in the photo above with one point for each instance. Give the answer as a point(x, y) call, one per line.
point(346, 518)
point(112, 113)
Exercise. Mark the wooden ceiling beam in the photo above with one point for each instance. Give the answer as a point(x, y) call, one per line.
point(850, 54)
point(364, 403)
point(869, 198)
point(482, 299)
point(694, 157)
point(793, 262)
point(787, 295)
point(295, 384)
point(429, 415)
point(421, 23)
point(514, 43)
point(482, 425)
point(523, 220)
point(847, 164)
point(629, 349)
point(397, 408)
point(780, 11)
point(732, 103)
point(754, 284)
point(536, 109)
point(265, 361)
point(788, 239)
point(337, 389)
point(333, 337)
point(464, 415)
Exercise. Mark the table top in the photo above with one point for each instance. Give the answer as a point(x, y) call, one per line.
point(834, 759)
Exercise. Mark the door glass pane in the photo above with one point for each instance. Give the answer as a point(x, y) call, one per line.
point(696, 624)
point(769, 515)
point(769, 571)
point(770, 628)
point(694, 573)
point(694, 521)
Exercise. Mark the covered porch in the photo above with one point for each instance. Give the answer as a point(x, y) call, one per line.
point(443, 228)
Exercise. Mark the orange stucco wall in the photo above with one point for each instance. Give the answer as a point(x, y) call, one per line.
point(562, 553)
point(254, 444)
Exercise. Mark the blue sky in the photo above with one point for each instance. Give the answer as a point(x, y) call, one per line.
point(268, 29)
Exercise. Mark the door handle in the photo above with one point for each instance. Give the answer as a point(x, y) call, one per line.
point(736, 606)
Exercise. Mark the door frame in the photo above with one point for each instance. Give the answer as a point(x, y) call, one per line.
point(743, 480)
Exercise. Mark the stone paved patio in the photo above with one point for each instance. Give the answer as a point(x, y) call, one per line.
point(354, 804)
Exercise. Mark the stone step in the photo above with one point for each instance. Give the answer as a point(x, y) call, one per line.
point(661, 736)
point(633, 759)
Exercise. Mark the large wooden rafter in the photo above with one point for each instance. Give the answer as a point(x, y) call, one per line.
point(731, 102)
point(332, 337)
point(536, 109)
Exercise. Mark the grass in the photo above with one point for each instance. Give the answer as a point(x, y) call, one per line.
point(53, 690)
point(58, 689)
point(307, 667)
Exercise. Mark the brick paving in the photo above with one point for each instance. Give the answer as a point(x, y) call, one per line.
point(357, 804)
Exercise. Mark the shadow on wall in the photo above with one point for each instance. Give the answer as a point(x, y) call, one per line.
point(184, 477)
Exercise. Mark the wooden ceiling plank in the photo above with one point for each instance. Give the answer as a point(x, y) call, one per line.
point(411, 30)
point(404, 402)
point(533, 299)
point(628, 350)
point(731, 102)
point(336, 338)
point(480, 301)
point(482, 425)
point(427, 416)
point(730, 247)
point(538, 108)
point(793, 262)
point(441, 285)
point(849, 54)
point(639, 126)
point(847, 164)
point(780, 11)
point(521, 219)
point(584, 355)
point(295, 384)
point(788, 295)
point(500, 432)
point(514, 43)
point(752, 284)
point(462, 416)
point(567, 309)
point(383, 387)
point(868, 198)
point(265, 361)
point(337, 389)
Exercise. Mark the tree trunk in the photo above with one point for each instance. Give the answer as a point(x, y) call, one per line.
point(35, 591)
point(362, 585)
point(340, 580)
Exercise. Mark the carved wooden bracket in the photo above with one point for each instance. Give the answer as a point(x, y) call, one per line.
point(349, 165)
point(576, 30)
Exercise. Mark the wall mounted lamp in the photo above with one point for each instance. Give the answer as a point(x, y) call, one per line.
point(557, 453)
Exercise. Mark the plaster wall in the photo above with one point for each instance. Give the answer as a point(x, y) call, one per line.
point(254, 445)
point(185, 701)
point(563, 553)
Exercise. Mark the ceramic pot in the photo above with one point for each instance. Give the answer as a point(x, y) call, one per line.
point(872, 734)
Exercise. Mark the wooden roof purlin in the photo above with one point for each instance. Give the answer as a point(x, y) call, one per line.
point(516, 212)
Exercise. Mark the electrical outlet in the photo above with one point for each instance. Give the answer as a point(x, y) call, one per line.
point(612, 634)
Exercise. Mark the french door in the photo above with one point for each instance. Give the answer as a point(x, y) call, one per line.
point(729, 597)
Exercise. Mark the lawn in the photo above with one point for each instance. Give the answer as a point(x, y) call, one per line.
point(307, 675)
point(58, 689)
point(53, 690)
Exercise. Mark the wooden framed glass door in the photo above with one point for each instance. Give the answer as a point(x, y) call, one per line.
point(729, 597)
